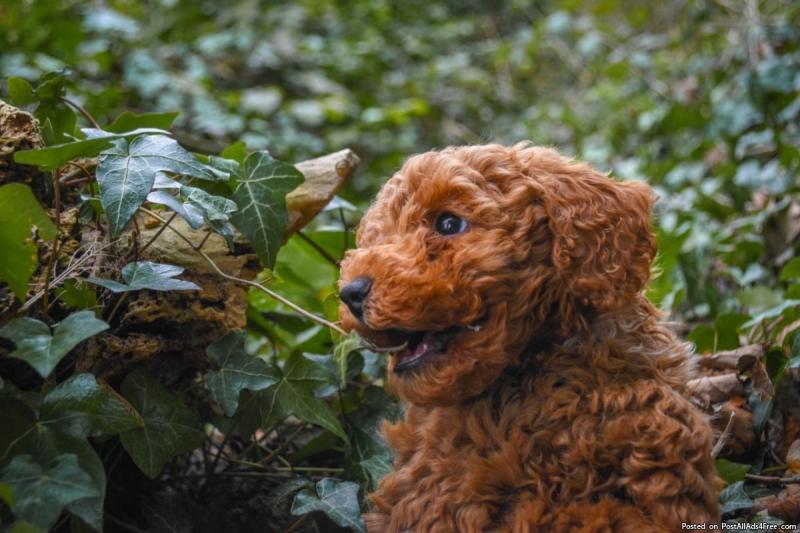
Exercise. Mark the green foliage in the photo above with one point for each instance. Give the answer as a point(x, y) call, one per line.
point(126, 173)
point(82, 407)
point(42, 349)
point(337, 499)
point(147, 275)
point(42, 492)
point(237, 371)
point(261, 186)
point(169, 428)
point(704, 107)
point(294, 394)
point(20, 215)
point(731, 472)
point(734, 497)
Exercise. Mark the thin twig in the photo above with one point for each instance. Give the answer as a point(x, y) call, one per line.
point(723, 438)
point(205, 240)
point(53, 248)
point(82, 111)
point(344, 228)
point(282, 445)
point(309, 469)
point(123, 524)
point(158, 233)
point(773, 480)
point(117, 306)
point(319, 249)
point(297, 523)
point(73, 265)
point(269, 292)
point(225, 440)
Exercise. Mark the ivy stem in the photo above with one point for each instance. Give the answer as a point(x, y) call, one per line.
point(82, 111)
point(319, 249)
point(158, 233)
point(272, 294)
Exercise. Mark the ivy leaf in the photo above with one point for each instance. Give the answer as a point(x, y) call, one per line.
point(147, 275)
point(347, 344)
point(20, 212)
point(20, 92)
point(43, 351)
point(731, 472)
point(74, 293)
point(130, 121)
point(791, 270)
point(52, 157)
point(22, 433)
point(238, 370)
point(82, 407)
point(190, 214)
point(260, 193)
point(294, 395)
point(733, 497)
point(40, 494)
point(236, 151)
point(368, 457)
point(213, 207)
point(337, 499)
point(170, 428)
point(127, 171)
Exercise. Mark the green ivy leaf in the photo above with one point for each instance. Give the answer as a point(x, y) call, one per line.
point(369, 458)
point(294, 395)
point(731, 472)
point(82, 407)
point(236, 151)
point(727, 328)
point(74, 293)
point(734, 497)
point(190, 214)
point(20, 212)
point(128, 121)
point(41, 493)
point(6, 494)
point(170, 428)
point(346, 345)
point(43, 351)
point(147, 275)
point(22, 433)
point(337, 499)
point(791, 270)
point(52, 157)
point(20, 91)
point(261, 188)
point(704, 337)
point(214, 208)
point(127, 171)
point(238, 371)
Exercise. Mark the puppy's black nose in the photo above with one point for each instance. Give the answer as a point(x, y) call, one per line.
point(355, 293)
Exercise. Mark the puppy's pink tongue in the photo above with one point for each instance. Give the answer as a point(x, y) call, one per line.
point(422, 347)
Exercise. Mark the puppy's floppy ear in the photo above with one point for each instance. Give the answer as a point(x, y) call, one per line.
point(603, 245)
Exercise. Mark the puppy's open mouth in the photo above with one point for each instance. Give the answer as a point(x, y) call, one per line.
point(413, 348)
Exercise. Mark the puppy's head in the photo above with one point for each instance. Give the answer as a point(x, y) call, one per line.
point(471, 254)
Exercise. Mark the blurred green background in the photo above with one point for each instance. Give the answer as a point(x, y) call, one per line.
point(699, 98)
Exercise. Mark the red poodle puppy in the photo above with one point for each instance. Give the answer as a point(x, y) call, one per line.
point(542, 392)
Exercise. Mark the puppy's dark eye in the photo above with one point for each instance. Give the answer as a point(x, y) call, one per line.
point(449, 224)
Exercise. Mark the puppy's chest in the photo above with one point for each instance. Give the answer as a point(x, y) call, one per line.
point(475, 463)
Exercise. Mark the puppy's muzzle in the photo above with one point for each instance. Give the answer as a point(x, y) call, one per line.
point(355, 294)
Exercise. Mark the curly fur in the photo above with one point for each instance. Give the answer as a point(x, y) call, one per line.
point(567, 410)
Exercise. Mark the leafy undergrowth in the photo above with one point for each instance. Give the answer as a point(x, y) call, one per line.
point(290, 433)
point(111, 416)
